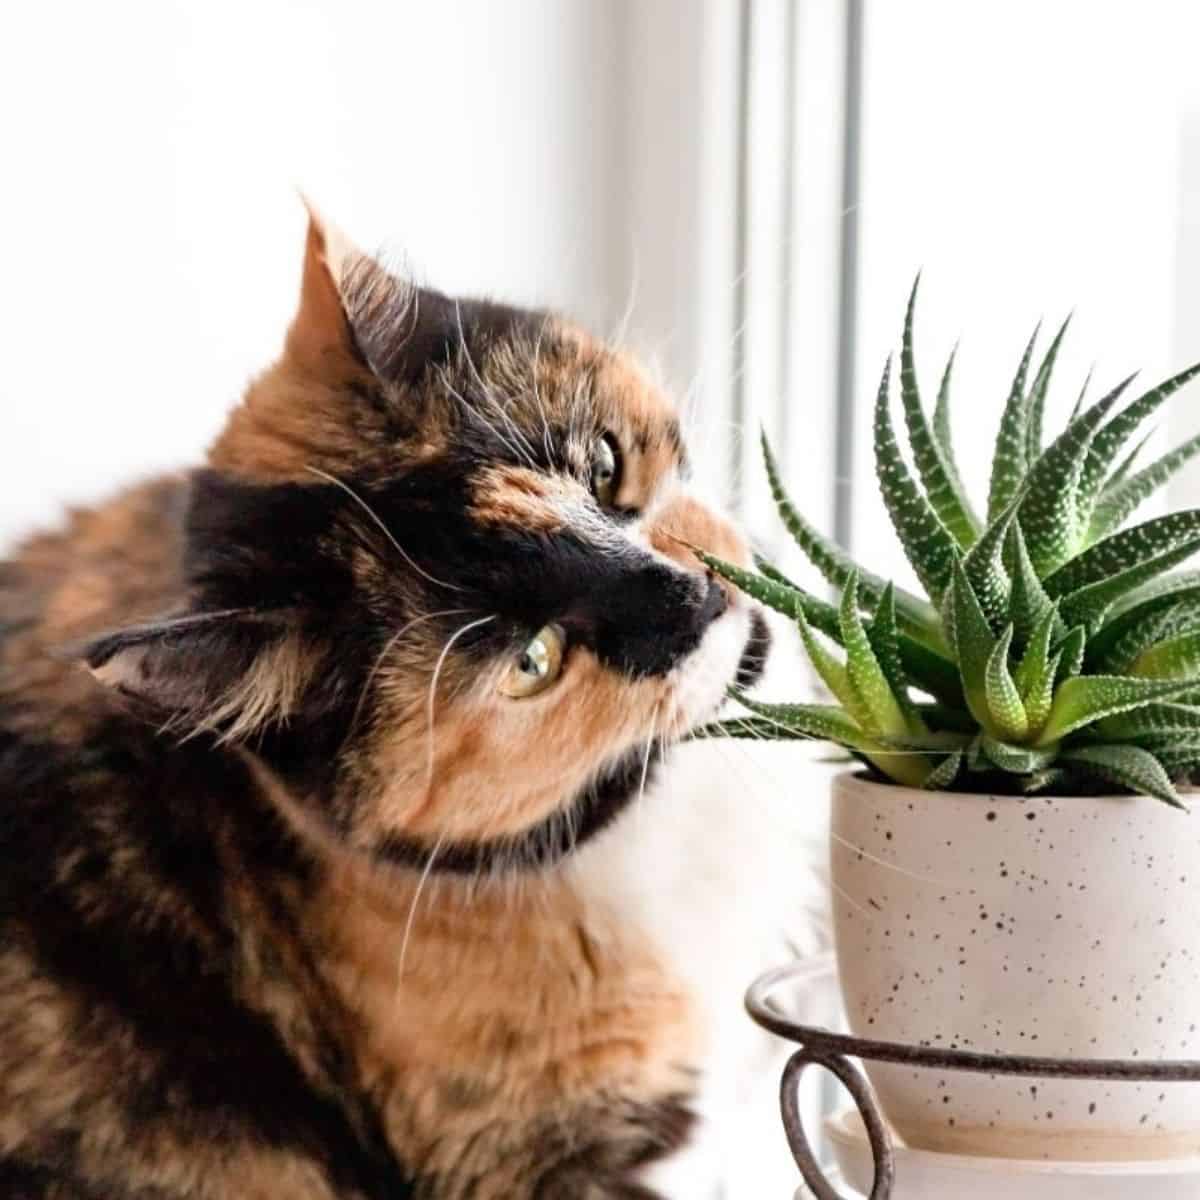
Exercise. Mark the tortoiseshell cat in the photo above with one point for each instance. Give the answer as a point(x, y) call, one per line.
point(296, 751)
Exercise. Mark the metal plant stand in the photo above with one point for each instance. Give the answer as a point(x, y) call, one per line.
point(835, 1052)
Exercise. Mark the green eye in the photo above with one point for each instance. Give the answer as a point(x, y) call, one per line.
point(537, 666)
point(606, 469)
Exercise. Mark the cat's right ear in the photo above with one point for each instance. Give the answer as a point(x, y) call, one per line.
point(355, 314)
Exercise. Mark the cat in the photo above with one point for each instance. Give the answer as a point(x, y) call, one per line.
point(302, 751)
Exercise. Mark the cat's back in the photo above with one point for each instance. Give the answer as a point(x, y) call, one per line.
point(106, 566)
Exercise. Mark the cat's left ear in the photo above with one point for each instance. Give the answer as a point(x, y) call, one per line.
point(232, 671)
point(355, 313)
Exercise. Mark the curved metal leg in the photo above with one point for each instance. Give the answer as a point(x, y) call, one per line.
point(856, 1084)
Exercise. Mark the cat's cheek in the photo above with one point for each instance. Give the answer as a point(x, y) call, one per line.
point(703, 679)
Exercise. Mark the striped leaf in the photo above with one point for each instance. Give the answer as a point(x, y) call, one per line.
point(941, 423)
point(1071, 649)
point(1170, 722)
point(927, 544)
point(1177, 658)
point(1120, 551)
point(830, 723)
point(944, 774)
point(984, 567)
point(784, 597)
point(1028, 602)
point(973, 644)
point(1125, 466)
point(1016, 760)
point(754, 729)
point(1010, 460)
point(1036, 403)
point(1004, 706)
point(1129, 767)
point(885, 641)
point(1087, 698)
point(1050, 513)
point(1151, 629)
point(1090, 605)
point(915, 615)
point(1038, 699)
point(1121, 500)
point(836, 678)
point(1109, 440)
point(1037, 651)
point(942, 487)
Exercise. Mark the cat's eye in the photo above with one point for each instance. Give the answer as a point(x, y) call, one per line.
point(606, 469)
point(537, 666)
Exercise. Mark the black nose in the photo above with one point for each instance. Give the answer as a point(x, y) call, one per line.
point(650, 618)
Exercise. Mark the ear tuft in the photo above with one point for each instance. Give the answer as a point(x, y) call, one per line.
point(232, 672)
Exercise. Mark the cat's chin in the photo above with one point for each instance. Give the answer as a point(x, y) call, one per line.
point(733, 654)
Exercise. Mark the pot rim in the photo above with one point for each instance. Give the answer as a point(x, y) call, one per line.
point(857, 778)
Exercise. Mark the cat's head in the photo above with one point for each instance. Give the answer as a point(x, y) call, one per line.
point(439, 576)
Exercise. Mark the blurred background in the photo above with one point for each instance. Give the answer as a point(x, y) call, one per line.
point(743, 190)
point(746, 187)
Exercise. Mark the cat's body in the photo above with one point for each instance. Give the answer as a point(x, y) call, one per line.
point(295, 888)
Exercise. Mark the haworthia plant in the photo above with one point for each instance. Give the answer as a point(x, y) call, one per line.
point(1057, 651)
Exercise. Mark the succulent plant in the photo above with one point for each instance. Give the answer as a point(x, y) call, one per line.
point(1054, 649)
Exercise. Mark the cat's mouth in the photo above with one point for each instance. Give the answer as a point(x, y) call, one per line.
point(753, 662)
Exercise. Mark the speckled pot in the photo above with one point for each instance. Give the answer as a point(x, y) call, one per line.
point(1052, 926)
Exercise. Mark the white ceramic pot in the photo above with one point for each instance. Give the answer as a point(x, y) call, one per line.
point(1048, 926)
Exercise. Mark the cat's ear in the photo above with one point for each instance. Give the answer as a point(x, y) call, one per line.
point(356, 313)
point(232, 671)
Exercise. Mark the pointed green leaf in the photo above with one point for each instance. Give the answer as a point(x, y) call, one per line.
point(1051, 519)
point(1077, 407)
point(1087, 698)
point(984, 567)
point(836, 678)
point(1161, 623)
point(1119, 502)
point(1128, 767)
point(1049, 780)
point(1120, 551)
point(1071, 651)
point(944, 774)
point(885, 641)
point(1010, 460)
point(1017, 760)
point(925, 540)
point(827, 722)
point(915, 614)
point(1036, 404)
point(1170, 721)
point(1124, 467)
point(1037, 652)
point(1178, 658)
point(1039, 698)
point(1008, 718)
point(941, 422)
point(783, 597)
point(1090, 605)
point(943, 490)
point(1028, 603)
point(832, 724)
point(1109, 440)
point(973, 645)
point(754, 729)
point(1155, 589)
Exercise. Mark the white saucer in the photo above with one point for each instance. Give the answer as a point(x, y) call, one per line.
point(926, 1175)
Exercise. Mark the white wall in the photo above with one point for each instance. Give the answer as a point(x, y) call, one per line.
point(149, 216)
